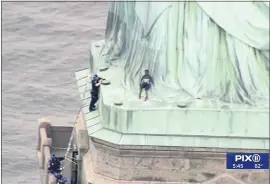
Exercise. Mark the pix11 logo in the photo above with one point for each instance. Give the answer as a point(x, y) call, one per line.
point(247, 160)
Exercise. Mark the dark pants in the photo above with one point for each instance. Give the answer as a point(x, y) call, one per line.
point(58, 177)
point(145, 86)
point(94, 99)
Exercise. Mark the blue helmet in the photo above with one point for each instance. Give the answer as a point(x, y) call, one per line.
point(53, 155)
point(95, 76)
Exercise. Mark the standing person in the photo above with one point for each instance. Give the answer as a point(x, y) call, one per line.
point(96, 81)
point(145, 83)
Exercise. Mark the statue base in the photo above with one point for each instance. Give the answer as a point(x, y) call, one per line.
point(132, 141)
point(107, 163)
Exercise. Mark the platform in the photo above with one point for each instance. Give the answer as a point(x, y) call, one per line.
point(202, 123)
point(158, 141)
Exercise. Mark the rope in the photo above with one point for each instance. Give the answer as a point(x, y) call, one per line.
point(74, 124)
point(70, 160)
point(73, 132)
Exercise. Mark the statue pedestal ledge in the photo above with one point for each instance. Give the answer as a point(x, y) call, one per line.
point(158, 142)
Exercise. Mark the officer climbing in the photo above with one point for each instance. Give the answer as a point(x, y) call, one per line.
point(54, 165)
point(55, 168)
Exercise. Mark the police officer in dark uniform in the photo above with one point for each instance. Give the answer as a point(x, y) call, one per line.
point(96, 81)
point(145, 83)
point(54, 165)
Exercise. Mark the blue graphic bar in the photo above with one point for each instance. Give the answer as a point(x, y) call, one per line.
point(247, 161)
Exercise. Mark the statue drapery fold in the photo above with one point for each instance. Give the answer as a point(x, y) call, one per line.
point(193, 49)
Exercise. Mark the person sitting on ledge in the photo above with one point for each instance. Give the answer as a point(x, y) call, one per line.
point(145, 83)
point(96, 81)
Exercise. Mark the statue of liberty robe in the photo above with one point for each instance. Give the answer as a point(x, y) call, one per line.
point(206, 50)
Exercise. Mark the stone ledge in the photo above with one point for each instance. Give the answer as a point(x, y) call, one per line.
point(118, 165)
point(152, 127)
point(189, 122)
point(165, 151)
point(209, 142)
